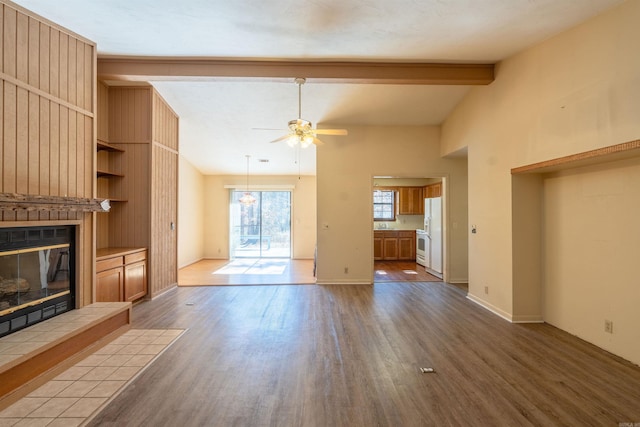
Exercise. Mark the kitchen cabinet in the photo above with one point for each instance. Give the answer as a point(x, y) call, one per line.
point(378, 237)
point(121, 274)
point(406, 245)
point(411, 201)
point(392, 245)
point(433, 190)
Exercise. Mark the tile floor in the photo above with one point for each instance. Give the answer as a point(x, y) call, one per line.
point(75, 396)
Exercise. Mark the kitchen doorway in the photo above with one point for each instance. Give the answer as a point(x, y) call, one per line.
point(261, 229)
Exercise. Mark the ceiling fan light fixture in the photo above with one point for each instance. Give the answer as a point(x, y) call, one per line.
point(302, 131)
point(306, 141)
point(292, 140)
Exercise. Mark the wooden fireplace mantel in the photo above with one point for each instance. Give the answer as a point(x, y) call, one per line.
point(30, 202)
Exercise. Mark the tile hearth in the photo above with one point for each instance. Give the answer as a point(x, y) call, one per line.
point(77, 394)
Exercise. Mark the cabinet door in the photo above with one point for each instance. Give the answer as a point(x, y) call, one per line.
point(109, 285)
point(377, 248)
point(411, 201)
point(437, 190)
point(405, 249)
point(390, 248)
point(433, 190)
point(135, 281)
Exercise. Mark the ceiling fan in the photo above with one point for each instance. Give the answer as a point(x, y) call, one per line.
point(301, 131)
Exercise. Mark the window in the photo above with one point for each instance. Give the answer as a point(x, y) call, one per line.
point(384, 205)
point(262, 229)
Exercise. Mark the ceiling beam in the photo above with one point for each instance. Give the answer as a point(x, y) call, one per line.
point(149, 69)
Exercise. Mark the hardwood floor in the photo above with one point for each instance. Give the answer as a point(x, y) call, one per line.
point(350, 356)
point(247, 271)
point(401, 271)
point(282, 271)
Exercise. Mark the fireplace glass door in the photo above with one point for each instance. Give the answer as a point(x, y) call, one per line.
point(36, 280)
point(33, 274)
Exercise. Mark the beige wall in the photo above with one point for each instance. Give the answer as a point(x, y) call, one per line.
point(592, 243)
point(190, 214)
point(216, 212)
point(575, 92)
point(345, 170)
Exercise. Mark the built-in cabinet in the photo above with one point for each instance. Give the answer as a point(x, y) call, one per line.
point(411, 201)
point(121, 274)
point(137, 170)
point(389, 245)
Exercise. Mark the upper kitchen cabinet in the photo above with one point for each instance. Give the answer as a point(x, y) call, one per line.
point(433, 190)
point(411, 201)
point(138, 146)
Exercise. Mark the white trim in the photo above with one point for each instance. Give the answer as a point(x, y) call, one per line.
point(528, 318)
point(492, 308)
point(525, 318)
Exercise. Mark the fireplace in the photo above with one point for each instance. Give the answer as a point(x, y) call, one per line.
point(37, 275)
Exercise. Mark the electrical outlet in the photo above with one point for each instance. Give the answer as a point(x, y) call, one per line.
point(486, 290)
point(346, 270)
point(608, 326)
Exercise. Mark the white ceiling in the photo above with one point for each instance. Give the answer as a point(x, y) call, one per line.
point(217, 117)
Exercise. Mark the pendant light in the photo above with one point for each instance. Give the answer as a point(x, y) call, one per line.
point(247, 199)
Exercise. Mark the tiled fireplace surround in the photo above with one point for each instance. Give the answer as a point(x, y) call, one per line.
point(48, 343)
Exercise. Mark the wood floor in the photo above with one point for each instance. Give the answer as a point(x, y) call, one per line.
point(351, 356)
point(282, 271)
point(401, 271)
point(247, 271)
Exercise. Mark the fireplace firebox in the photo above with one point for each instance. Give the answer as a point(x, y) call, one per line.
point(37, 275)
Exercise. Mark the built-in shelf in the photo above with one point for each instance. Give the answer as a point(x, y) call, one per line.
point(104, 146)
point(103, 173)
point(611, 153)
point(112, 201)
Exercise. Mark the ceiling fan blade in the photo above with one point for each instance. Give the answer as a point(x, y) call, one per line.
point(330, 131)
point(282, 138)
point(316, 141)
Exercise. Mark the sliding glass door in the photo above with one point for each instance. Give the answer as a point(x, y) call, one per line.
point(261, 229)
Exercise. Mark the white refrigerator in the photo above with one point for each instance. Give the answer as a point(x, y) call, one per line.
point(433, 229)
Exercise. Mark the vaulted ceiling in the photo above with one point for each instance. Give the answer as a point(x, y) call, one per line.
point(219, 114)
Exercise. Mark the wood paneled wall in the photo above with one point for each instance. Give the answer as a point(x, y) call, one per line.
point(164, 198)
point(47, 94)
point(102, 118)
point(163, 268)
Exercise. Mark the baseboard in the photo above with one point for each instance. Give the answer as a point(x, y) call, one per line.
point(528, 318)
point(165, 290)
point(492, 308)
point(523, 318)
point(190, 263)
